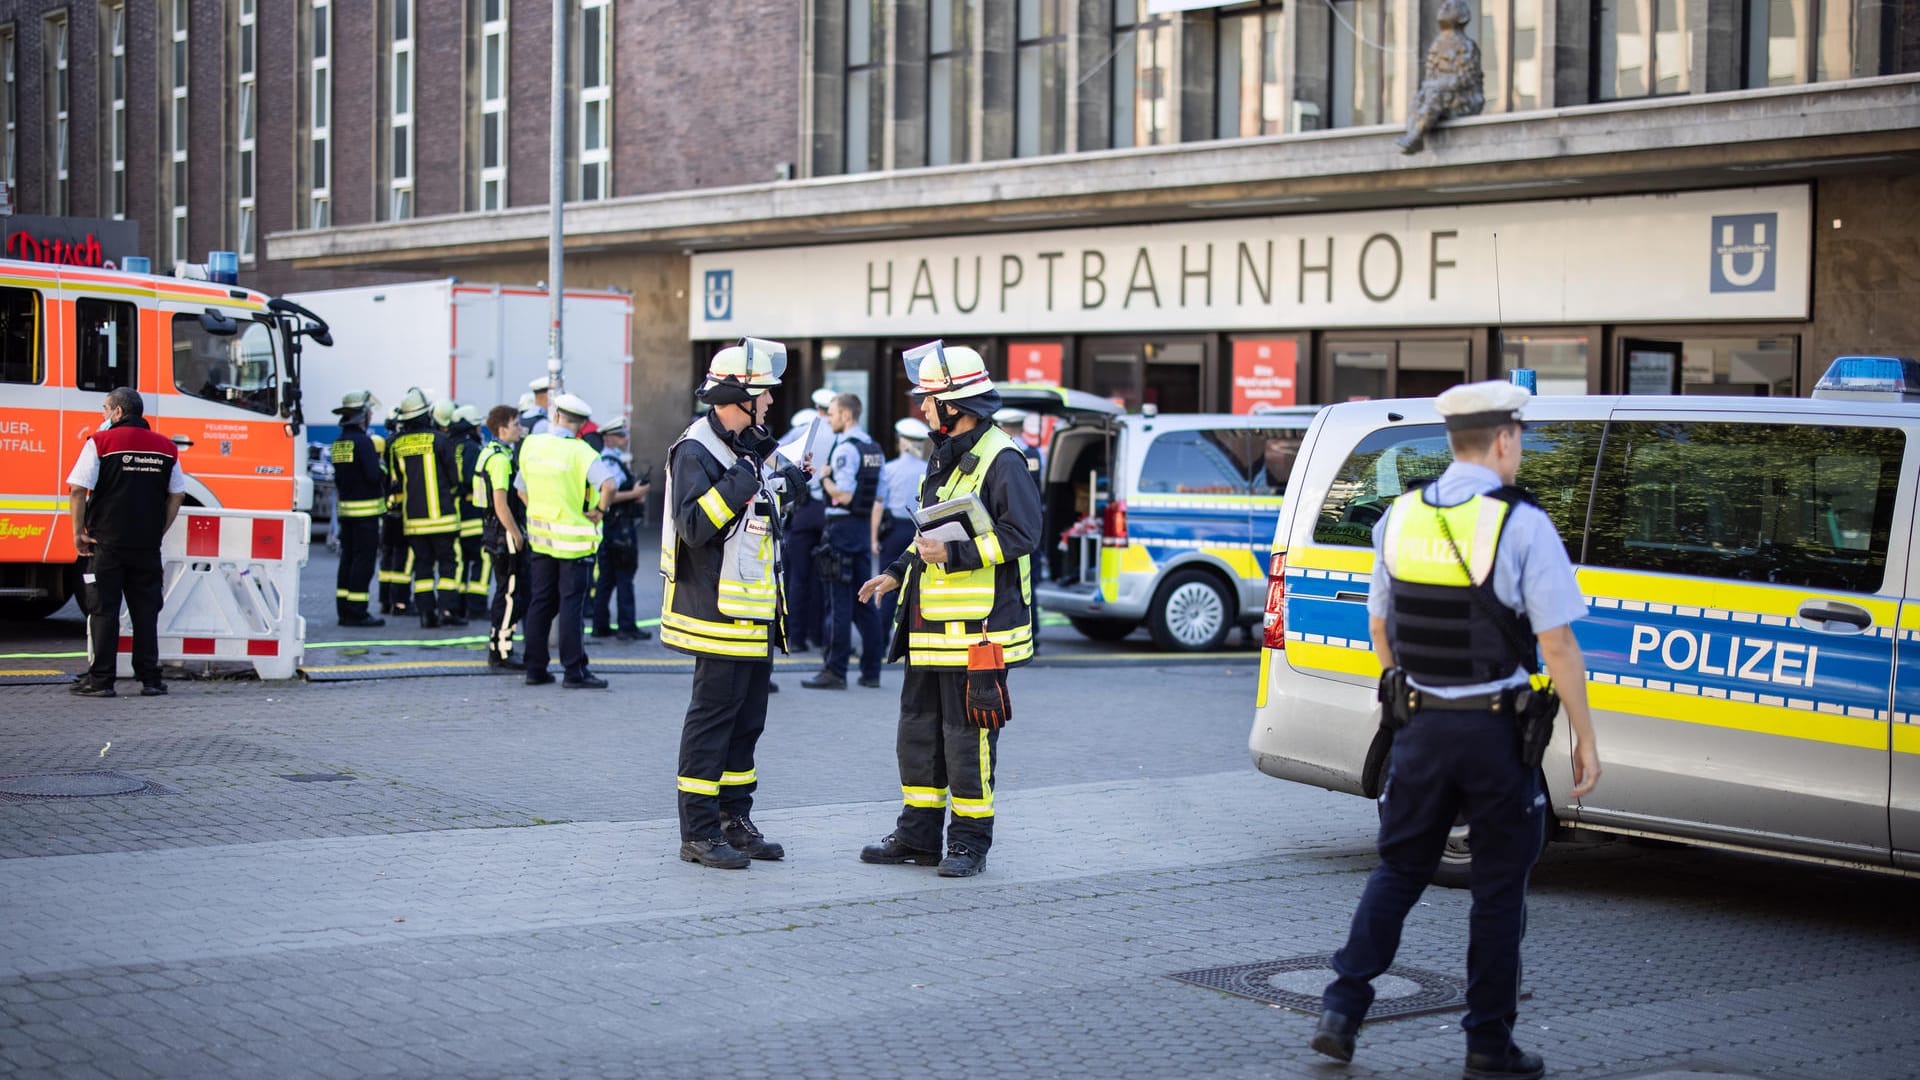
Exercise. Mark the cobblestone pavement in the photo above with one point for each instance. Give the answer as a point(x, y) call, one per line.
point(495, 892)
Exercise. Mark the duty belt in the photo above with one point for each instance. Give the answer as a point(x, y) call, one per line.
point(1495, 702)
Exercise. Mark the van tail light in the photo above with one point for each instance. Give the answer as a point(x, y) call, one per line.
point(1113, 525)
point(1276, 618)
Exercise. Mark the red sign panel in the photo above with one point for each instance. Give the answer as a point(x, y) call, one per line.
point(1263, 374)
point(1037, 363)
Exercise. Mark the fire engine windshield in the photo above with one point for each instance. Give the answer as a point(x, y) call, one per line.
point(239, 370)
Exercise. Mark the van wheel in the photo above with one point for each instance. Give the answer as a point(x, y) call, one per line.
point(31, 608)
point(1103, 629)
point(1192, 613)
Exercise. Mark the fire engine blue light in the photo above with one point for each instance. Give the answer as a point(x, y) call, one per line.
point(224, 267)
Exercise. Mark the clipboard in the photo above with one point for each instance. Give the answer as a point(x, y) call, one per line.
point(966, 512)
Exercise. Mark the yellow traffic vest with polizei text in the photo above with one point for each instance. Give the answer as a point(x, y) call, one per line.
point(558, 495)
point(1416, 548)
point(747, 592)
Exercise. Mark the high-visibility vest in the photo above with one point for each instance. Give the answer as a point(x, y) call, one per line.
point(1437, 556)
point(746, 593)
point(958, 608)
point(558, 494)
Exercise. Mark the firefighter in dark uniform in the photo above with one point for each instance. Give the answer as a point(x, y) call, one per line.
point(360, 500)
point(722, 601)
point(504, 536)
point(426, 474)
point(1470, 582)
point(464, 430)
point(396, 558)
point(852, 485)
point(124, 492)
point(956, 593)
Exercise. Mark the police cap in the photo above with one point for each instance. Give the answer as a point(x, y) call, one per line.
point(572, 403)
point(1481, 405)
point(912, 428)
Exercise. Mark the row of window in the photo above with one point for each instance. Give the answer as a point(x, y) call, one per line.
point(1790, 504)
point(235, 370)
point(1349, 63)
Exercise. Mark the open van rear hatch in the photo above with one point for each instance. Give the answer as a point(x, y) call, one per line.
point(1078, 487)
point(1076, 405)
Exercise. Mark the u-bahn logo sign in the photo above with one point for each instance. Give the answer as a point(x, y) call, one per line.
point(1743, 246)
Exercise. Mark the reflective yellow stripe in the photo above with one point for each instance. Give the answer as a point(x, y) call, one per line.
point(988, 545)
point(361, 507)
point(736, 778)
point(471, 526)
point(448, 584)
point(393, 577)
point(343, 594)
point(419, 526)
point(693, 785)
point(928, 797)
point(955, 655)
point(715, 647)
point(716, 507)
point(742, 630)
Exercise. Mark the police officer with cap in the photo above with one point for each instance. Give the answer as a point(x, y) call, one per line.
point(956, 594)
point(425, 469)
point(806, 591)
point(1471, 588)
point(852, 486)
point(892, 524)
point(619, 542)
point(568, 489)
point(533, 415)
point(360, 500)
point(1014, 423)
point(722, 600)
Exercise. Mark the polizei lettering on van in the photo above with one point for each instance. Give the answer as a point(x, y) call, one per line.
point(1731, 656)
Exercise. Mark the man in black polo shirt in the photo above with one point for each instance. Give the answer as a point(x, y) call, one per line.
point(126, 489)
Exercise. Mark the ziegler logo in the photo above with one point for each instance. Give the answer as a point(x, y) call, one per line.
point(10, 531)
point(1744, 250)
point(269, 470)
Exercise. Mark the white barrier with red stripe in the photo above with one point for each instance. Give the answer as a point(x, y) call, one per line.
point(231, 581)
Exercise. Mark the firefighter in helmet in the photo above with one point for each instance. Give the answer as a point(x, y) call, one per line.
point(722, 601)
point(360, 487)
point(396, 558)
point(966, 615)
point(475, 567)
point(426, 475)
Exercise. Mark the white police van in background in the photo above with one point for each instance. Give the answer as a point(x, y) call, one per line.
point(1753, 631)
point(1159, 518)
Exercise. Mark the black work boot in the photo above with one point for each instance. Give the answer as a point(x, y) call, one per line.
point(452, 617)
point(743, 835)
point(716, 853)
point(891, 852)
point(1334, 1036)
point(1511, 1064)
point(962, 861)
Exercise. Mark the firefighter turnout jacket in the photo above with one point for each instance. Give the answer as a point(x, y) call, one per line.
point(425, 472)
point(473, 517)
point(359, 484)
point(985, 590)
point(722, 593)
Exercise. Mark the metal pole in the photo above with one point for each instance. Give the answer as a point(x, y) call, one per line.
point(557, 193)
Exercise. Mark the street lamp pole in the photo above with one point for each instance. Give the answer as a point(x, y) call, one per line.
point(556, 193)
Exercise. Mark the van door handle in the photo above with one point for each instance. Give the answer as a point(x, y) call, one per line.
point(182, 441)
point(1821, 614)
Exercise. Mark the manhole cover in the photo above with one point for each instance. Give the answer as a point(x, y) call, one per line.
point(72, 785)
point(1297, 983)
point(317, 777)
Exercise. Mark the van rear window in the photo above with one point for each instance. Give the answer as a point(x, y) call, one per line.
point(22, 357)
point(1790, 504)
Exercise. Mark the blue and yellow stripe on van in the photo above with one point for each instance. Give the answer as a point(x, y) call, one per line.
point(1718, 653)
point(1162, 527)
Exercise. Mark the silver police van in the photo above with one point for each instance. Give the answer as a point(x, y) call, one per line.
point(1753, 631)
point(1159, 518)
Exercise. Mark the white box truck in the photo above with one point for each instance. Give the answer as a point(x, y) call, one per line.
point(477, 344)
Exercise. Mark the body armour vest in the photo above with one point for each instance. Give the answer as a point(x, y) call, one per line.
point(746, 592)
point(1438, 557)
point(866, 482)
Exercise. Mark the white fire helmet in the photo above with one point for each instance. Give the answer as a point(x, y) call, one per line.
point(948, 373)
point(755, 366)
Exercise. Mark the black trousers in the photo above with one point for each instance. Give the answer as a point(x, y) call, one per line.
point(806, 599)
point(943, 760)
point(436, 574)
point(893, 542)
point(359, 554)
point(474, 567)
point(557, 592)
point(844, 611)
point(1447, 764)
point(510, 589)
point(724, 721)
point(396, 568)
point(133, 575)
point(613, 605)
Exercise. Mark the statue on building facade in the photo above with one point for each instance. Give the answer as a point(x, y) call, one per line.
point(1452, 84)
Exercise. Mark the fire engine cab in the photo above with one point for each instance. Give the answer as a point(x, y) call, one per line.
point(216, 364)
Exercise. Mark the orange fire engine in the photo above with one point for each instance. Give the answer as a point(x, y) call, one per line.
point(217, 365)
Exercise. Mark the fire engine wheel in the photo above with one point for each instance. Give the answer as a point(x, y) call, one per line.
point(1102, 629)
point(1192, 613)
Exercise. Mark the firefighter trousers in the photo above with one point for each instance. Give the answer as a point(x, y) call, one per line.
point(475, 568)
point(436, 575)
point(396, 569)
point(509, 601)
point(944, 761)
point(359, 553)
point(724, 721)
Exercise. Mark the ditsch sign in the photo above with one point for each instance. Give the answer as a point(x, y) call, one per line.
point(94, 242)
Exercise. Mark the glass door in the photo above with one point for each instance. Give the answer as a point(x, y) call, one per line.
point(1361, 370)
point(1649, 366)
